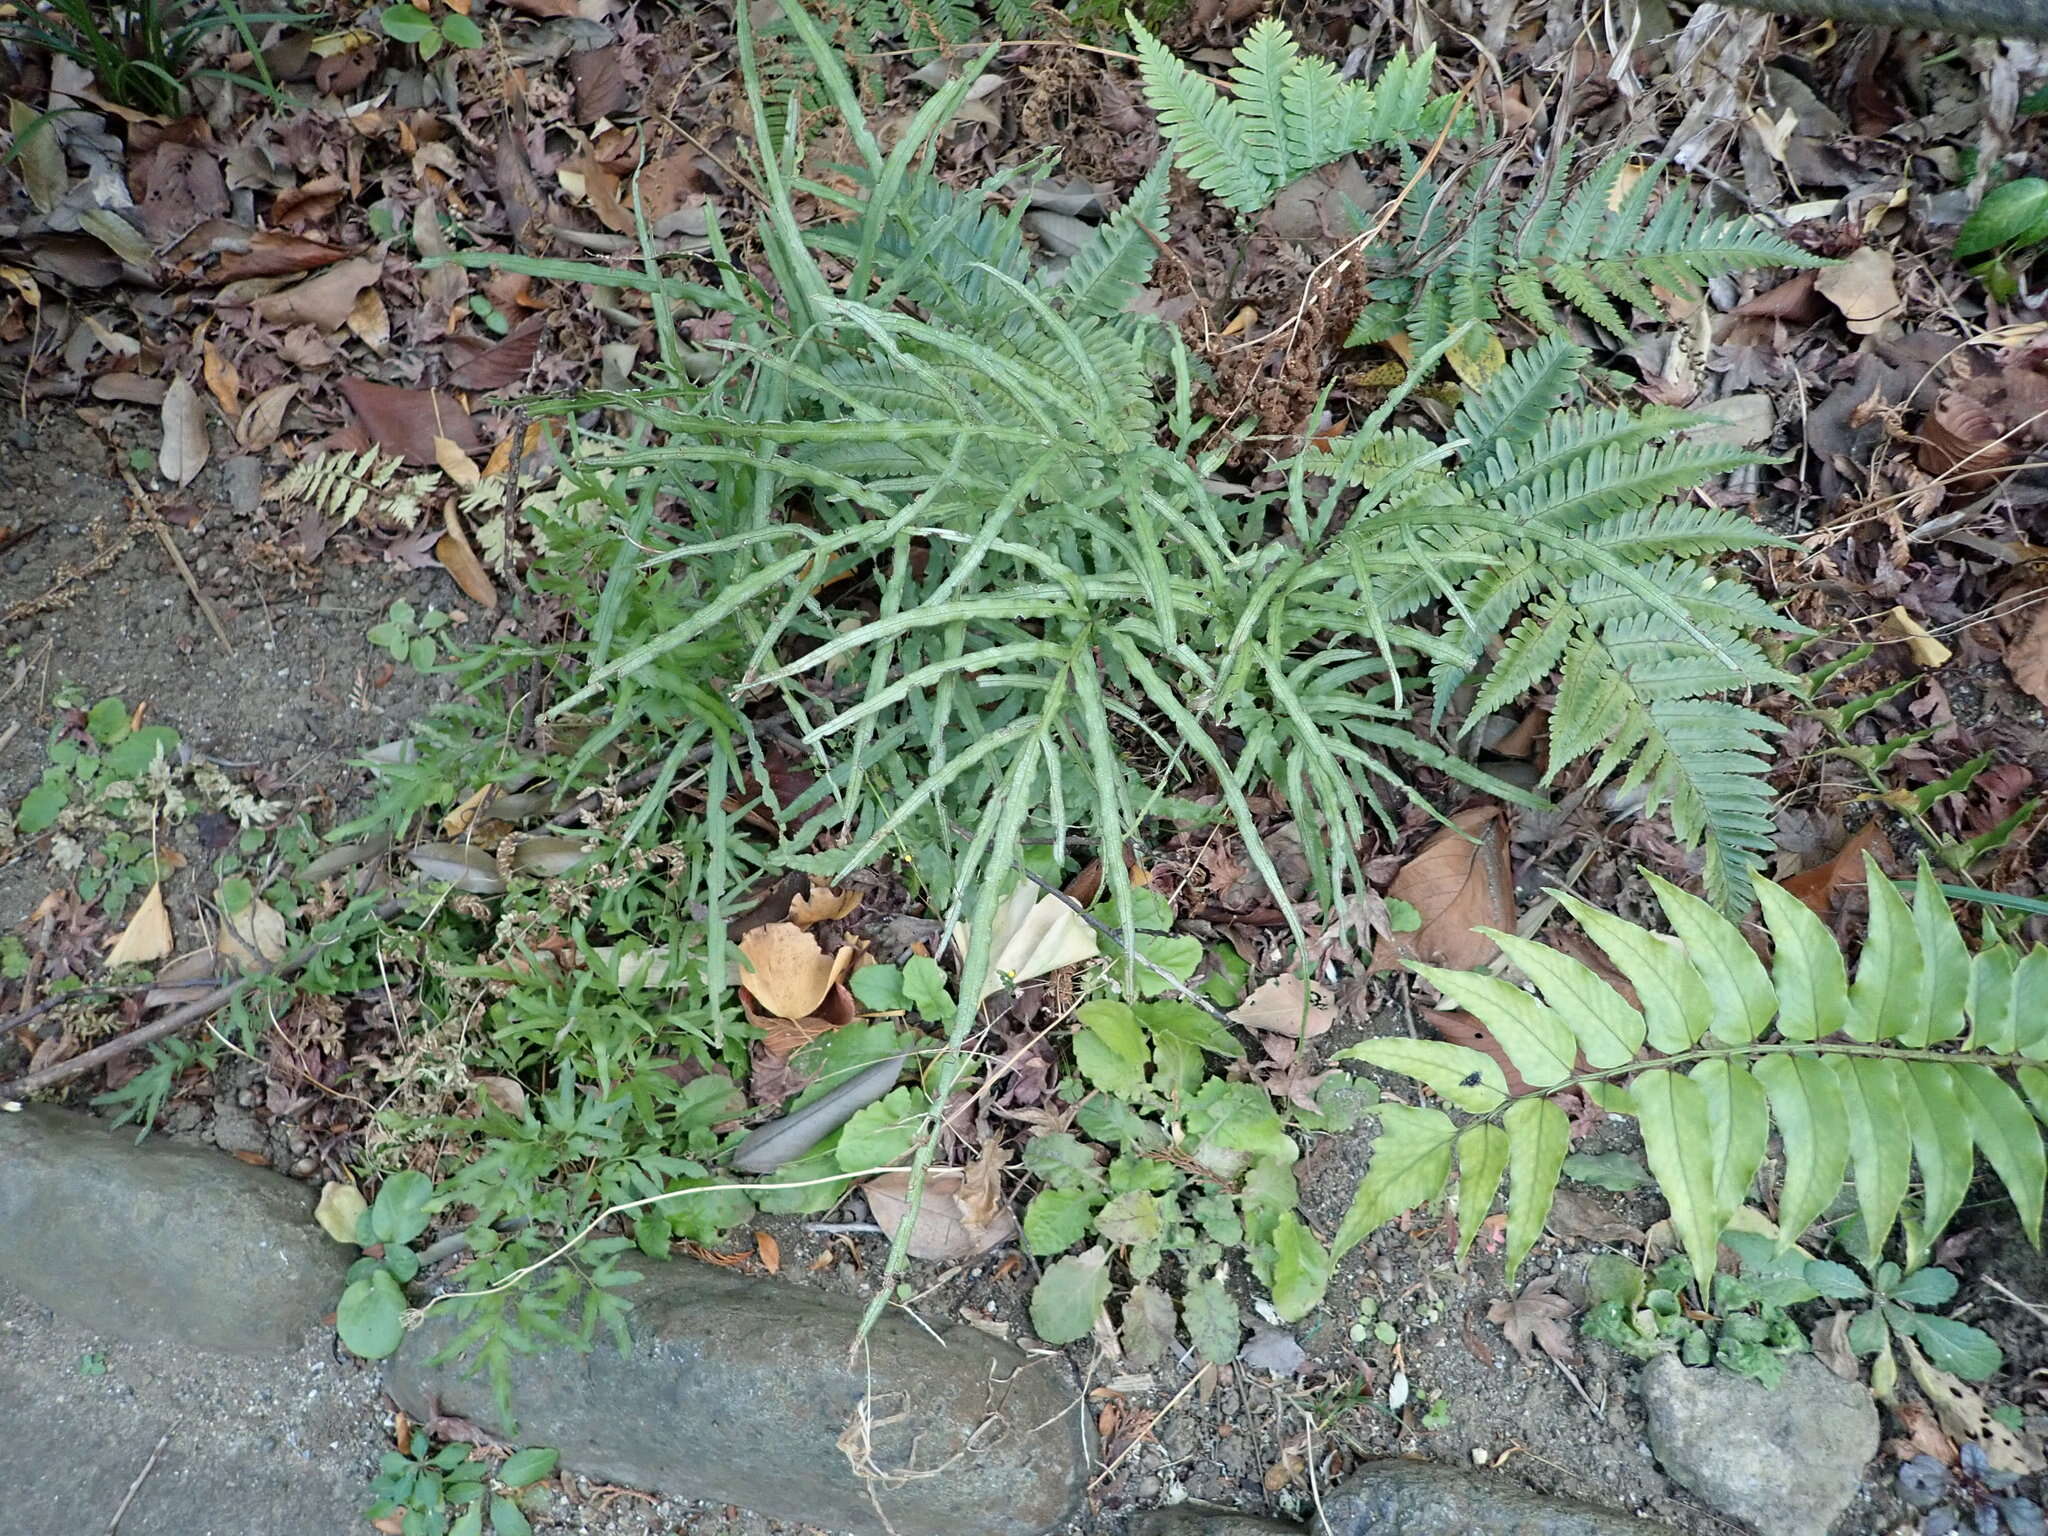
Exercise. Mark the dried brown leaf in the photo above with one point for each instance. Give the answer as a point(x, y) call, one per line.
point(269, 253)
point(324, 302)
point(822, 904)
point(453, 550)
point(184, 448)
point(222, 379)
point(944, 1228)
point(2027, 657)
point(1537, 1319)
point(1287, 1006)
point(261, 423)
point(1819, 886)
point(1964, 443)
point(407, 421)
point(769, 1252)
point(503, 365)
point(1459, 881)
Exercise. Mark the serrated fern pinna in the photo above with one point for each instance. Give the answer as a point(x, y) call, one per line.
point(945, 505)
point(1929, 1057)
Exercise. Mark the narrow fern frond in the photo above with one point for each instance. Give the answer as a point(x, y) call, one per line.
point(1113, 264)
point(1203, 126)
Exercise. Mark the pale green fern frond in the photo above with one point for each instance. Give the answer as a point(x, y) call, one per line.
point(1114, 262)
point(1932, 1057)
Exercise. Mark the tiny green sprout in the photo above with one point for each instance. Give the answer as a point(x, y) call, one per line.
point(427, 31)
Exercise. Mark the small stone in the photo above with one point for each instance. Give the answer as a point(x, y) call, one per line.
point(1421, 1498)
point(739, 1391)
point(162, 1240)
point(1785, 1461)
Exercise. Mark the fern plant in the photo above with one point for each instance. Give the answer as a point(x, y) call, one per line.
point(1591, 246)
point(1928, 1058)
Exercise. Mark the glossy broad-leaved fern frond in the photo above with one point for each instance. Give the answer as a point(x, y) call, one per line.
point(1926, 1059)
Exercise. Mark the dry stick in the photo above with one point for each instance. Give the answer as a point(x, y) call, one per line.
point(178, 1019)
point(163, 534)
point(135, 1487)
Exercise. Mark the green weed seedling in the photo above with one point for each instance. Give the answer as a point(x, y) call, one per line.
point(1747, 1331)
point(451, 1492)
point(371, 1317)
point(429, 30)
point(405, 634)
point(141, 53)
point(1898, 1305)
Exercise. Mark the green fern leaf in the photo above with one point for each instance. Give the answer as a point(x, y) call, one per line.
point(1113, 264)
point(1739, 1054)
point(1204, 128)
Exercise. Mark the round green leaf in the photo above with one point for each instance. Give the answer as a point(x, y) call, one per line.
point(371, 1317)
point(880, 1135)
point(461, 31)
point(1071, 1296)
point(399, 1213)
point(1956, 1347)
point(507, 1519)
point(406, 23)
point(1926, 1288)
point(2015, 214)
point(1056, 1219)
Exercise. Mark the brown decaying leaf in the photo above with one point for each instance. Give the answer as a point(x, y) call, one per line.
point(769, 1252)
point(453, 550)
point(407, 421)
point(1578, 1218)
point(961, 1215)
point(505, 364)
point(504, 1093)
point(1538, 1317)
point(2026, 658)
point(323, 302)
point(786, 972)
point(222, 380)
point(1964, 1414)
point(1819, 886)
point(1962, 441)
point(369, 322)
point(148, 934)
point(261, 423)
point(184, 450)
point(1289, 1007)
point(456, 464)
point(600, 82)
point(1459, 881)
point(822, 904)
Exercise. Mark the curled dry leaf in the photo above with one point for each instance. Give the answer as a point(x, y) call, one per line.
point(1537, 1319)
point(822, 905)
point(148, 934)
point(185, 978)
point(1963, 442)
point(1922, 646)
point(459, 559)
point(769, 1252)
point(261, 423)
point(1459, 881)
point(267, 253)
point(2027, 657)
point(1819, 886)
point(253, 935)
point(504, 1093)
point(407, 422)
point(786, 972)
point(462, 866)
point(324, 302)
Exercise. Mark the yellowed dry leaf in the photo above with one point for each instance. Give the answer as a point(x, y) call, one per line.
point(323, 301)
point(457, 821)
point(369, 323)
point(456, 464)
point(1963, 1412)
point(786, 971)
point(452, 549)
point(1924, 648)
point(254, 935)
point(822, 905)
point(340, 1207)
point(148, 934)
point(222, 379)
point(1863, 288)
point(769, 1252)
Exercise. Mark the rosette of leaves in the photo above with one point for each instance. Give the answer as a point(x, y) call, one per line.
point(1176, 1162)
point(1927, 1058)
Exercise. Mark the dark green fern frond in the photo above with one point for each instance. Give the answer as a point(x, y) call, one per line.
point(1113, 264)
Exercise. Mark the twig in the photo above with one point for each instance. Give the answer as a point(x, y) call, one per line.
point(135, 1487)
point(1150, 1429)
point(2039, 1312)
point(163, 536)
point(178, 1019)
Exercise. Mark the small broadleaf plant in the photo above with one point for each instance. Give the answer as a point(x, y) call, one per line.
point(1930, 1056)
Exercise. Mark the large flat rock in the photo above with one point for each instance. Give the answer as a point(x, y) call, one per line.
point(278, 1447)
point(740, 1391)
point(160, 1241)
point(1423, 1498)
